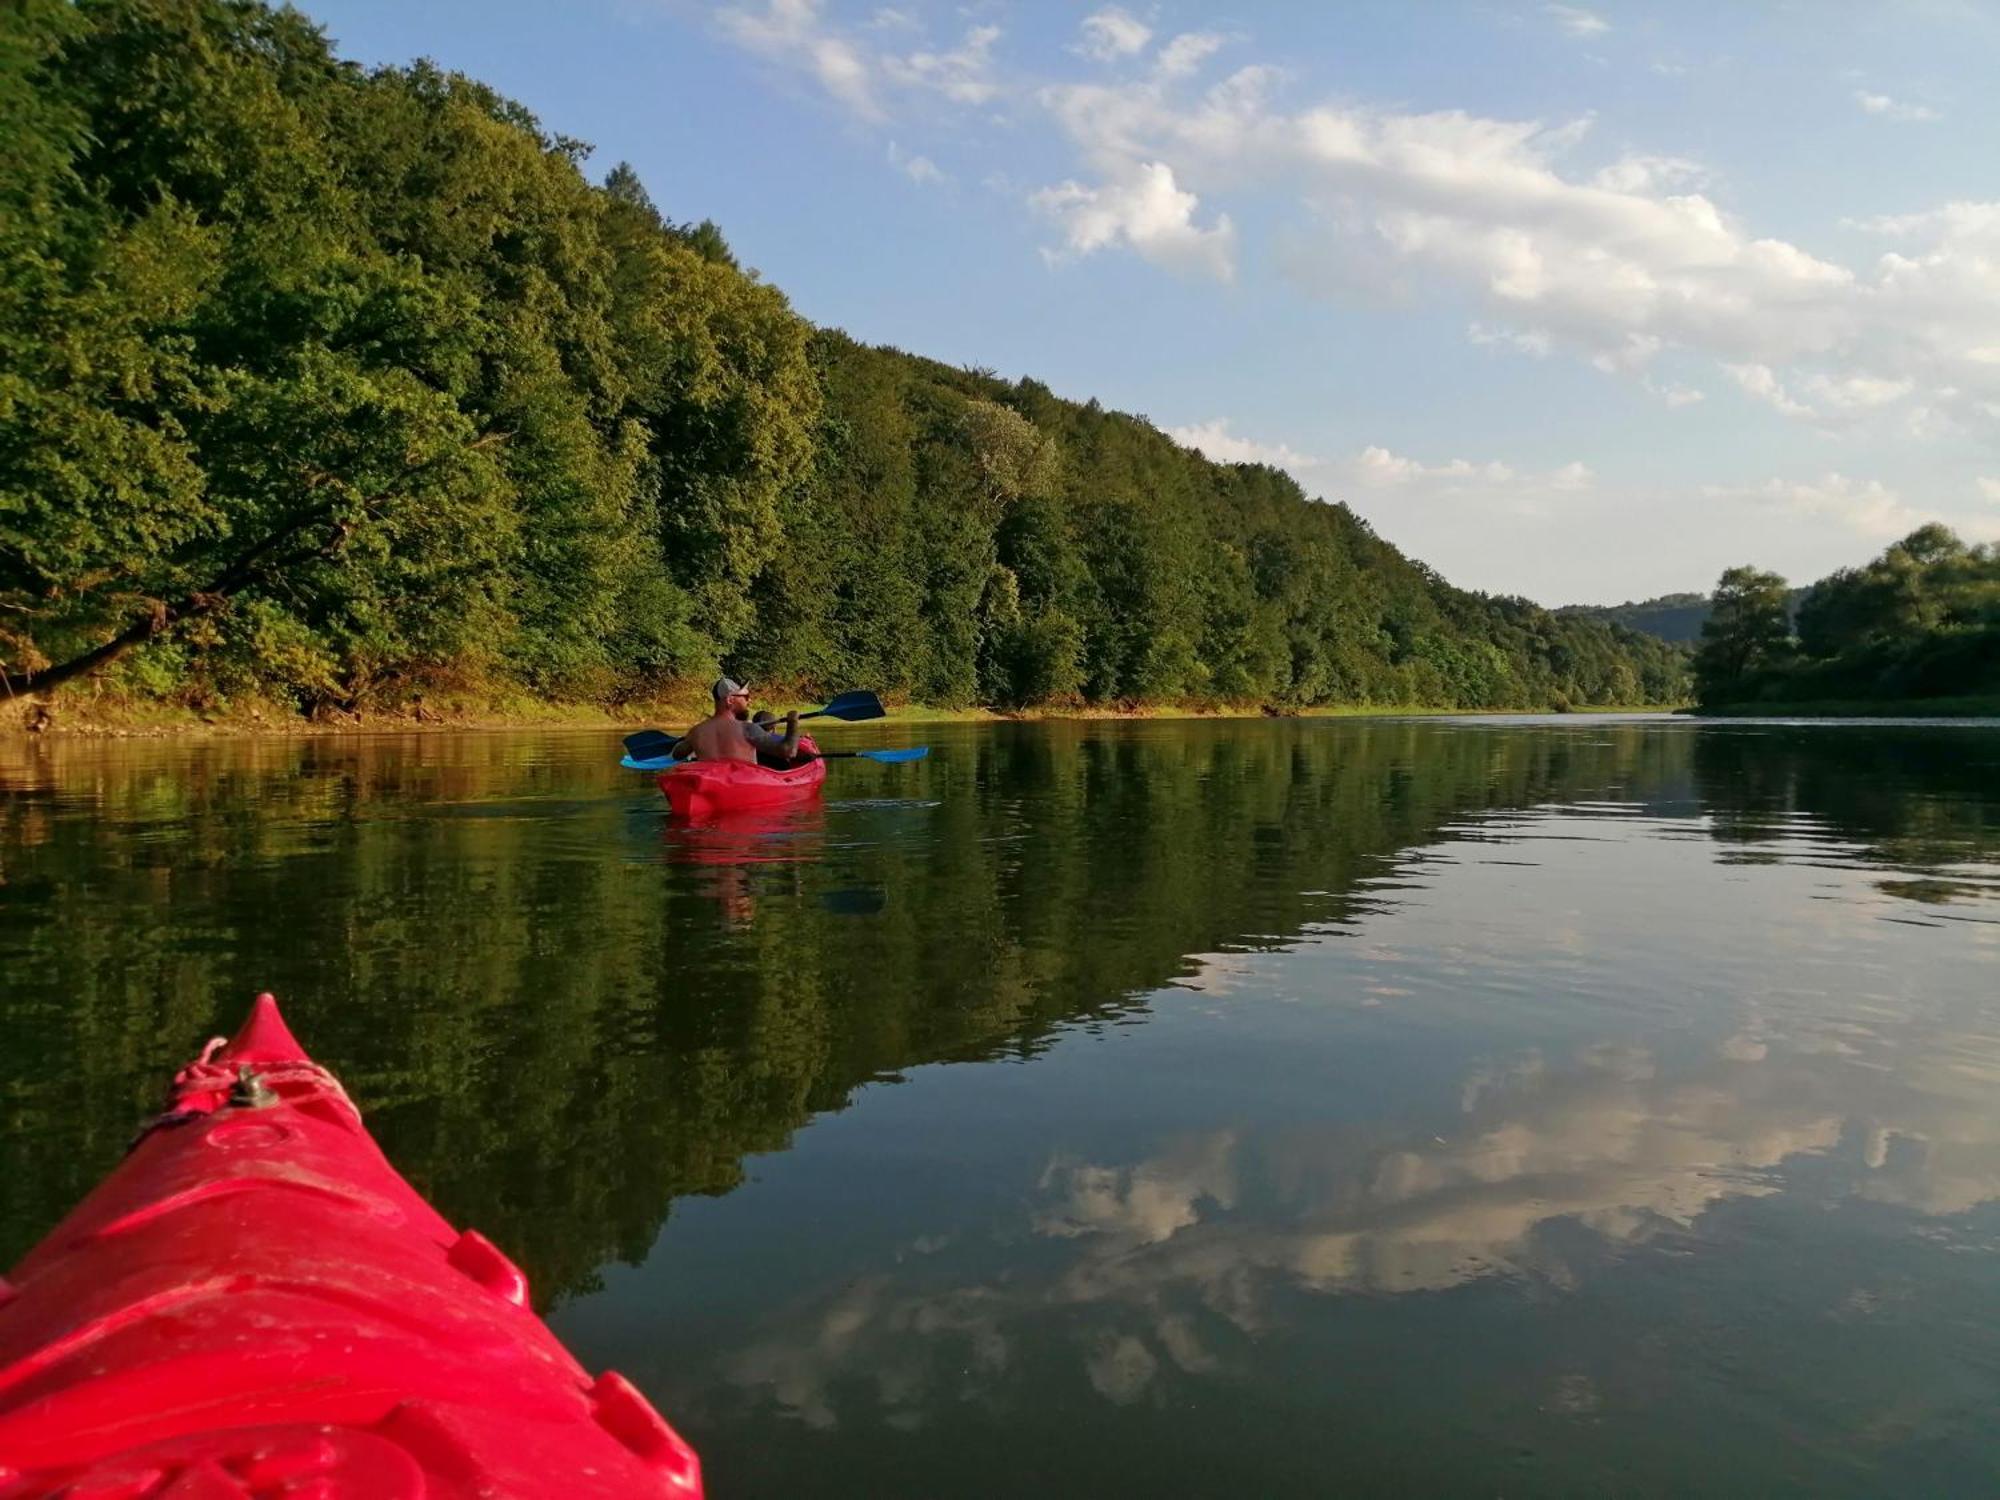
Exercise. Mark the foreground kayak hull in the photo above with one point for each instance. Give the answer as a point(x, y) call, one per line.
point(708, 789)
point(255, 1302)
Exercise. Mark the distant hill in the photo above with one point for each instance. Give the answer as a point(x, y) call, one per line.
point(1671, 617)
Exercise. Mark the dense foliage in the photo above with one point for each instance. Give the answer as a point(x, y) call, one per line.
point(1920, 621)
point(324, 384)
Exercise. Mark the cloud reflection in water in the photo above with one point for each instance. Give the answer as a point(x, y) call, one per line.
point(1173, 1262)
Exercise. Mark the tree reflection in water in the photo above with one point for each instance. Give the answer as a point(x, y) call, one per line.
point(1434, 1063)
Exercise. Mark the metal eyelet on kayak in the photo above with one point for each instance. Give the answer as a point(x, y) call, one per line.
point(251, 1092)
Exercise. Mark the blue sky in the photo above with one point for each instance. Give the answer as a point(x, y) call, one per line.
point(1582, 302)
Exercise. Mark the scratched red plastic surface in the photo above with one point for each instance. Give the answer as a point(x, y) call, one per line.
point(255, 1303)
point(705, 788)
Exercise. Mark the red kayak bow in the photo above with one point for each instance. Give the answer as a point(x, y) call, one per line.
point(255, 1303)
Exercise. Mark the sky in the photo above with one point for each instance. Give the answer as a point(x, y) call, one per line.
point(1579, 302)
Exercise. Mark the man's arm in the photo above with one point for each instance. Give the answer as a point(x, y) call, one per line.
point(785, 745)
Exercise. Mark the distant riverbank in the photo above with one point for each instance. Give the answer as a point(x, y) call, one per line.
point(119, 718)
point(1967, 706)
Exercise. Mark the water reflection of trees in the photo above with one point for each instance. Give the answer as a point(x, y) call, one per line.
point(1921, 800)
point(555, 1025)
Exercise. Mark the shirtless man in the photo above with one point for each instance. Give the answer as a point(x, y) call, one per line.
point(727, 733)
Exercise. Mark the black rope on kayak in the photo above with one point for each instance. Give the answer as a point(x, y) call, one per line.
point(166, 1120)
point(177, 1114)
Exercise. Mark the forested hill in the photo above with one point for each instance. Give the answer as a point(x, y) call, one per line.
point(331, 385)
point(1671, 617)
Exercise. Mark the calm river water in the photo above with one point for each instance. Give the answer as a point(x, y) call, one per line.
point(1207, 1108)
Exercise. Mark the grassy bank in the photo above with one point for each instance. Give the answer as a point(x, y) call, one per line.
point(1968, 706)
point(114, 716)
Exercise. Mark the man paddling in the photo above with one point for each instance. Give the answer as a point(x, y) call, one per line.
point(777, 761)
point(728, 734)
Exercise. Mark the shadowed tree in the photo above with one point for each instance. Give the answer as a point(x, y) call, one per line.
point(1747, 632)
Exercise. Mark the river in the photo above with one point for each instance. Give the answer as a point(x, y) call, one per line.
point(1521, 1106)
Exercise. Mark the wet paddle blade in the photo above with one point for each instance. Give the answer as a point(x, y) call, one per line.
point(853, 707)
point(648, 743)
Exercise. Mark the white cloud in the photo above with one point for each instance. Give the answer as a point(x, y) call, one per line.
point(1527, 340)
point(1639, 173)
point(1186, 53)
point(1576, 21)
point(1216, 441)
point(1378, 468)
point(794, 32)
point(856, 72)
point(1989, 490)
point(1833, 401)
point(1396, 477)
point(1856, 393)
point(1891, 109)
point(1432, 503)
point(919, 169)
point(1146, 210)
point(1621, 262)
point(1675, 394)
point(1614, 267)
point(1762, 383)
point(1113, 33)
point(961, 75)
point(1959, 220)
point(1866, 507)
point(1638, 351)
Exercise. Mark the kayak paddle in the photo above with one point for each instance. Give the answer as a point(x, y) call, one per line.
point(653, 744)
point(852, 707)
point(884, 757)
point(648, 743)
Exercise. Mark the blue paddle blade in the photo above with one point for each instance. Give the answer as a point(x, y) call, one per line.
point(895, 757)
point(851, 707)
point(649, 742)
point(657, 763)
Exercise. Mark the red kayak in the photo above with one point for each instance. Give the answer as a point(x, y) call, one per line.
point(707, 788)
point(255, 1303)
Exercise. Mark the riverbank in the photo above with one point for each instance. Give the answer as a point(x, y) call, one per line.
point(1968, 706)
point(106, 717)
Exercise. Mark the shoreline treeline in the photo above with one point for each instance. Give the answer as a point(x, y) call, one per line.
point(327, 385)
point(1920, 622)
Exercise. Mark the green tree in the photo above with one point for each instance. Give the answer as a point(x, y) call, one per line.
point(1747, 632)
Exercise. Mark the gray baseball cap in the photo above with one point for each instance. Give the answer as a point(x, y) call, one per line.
point(726, 688)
